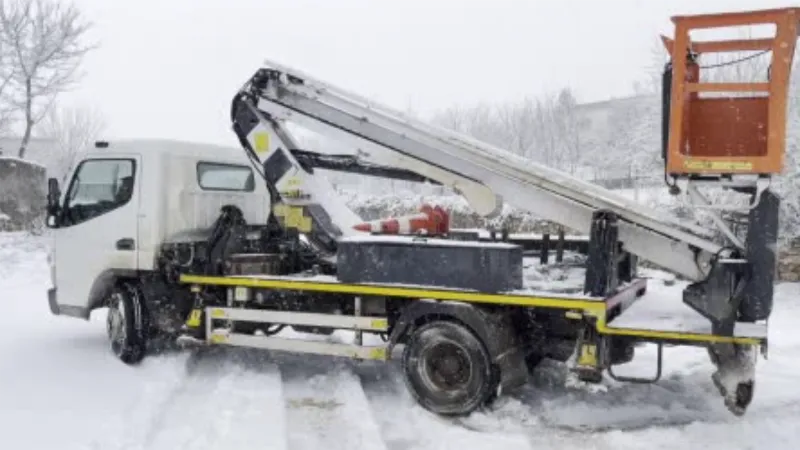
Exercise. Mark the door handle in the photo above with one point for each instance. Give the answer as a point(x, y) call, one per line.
point(125, 244)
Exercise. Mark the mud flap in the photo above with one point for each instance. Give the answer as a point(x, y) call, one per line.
point(512, 368)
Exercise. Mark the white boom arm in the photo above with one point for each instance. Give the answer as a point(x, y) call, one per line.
point(484, 174)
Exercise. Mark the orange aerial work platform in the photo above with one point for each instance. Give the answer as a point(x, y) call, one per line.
point(743, 132)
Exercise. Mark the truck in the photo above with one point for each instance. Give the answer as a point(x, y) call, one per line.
point(205, 245)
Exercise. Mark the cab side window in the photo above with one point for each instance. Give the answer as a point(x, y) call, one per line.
point(225, 177)
point(98, 186)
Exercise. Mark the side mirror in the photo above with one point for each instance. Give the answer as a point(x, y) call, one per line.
point(53, 206)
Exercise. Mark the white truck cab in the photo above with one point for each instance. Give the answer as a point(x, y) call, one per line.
point(125, 199)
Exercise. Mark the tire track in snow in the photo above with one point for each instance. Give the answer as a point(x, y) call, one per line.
point(224, 399)
point(555, 417)
point(164, 377)
point(406, 425)
point(232, 399)
point(326, 406)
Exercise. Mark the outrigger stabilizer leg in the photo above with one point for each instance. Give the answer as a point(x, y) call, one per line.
point(740, 289)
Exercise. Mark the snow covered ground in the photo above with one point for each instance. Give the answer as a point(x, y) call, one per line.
point(61, 389)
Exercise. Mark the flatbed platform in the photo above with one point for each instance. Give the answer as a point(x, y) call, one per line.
point(659, 310)
point(650, 313)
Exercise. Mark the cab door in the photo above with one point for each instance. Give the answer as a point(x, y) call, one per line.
point(97, 230)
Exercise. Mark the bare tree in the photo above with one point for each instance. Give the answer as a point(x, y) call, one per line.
point(547, 129)
point(45, 41)
point(7, 71)
point(516, 119)
point(74, 131)
point(569, 126)
point(452, 118)
point(479, 121)
point(546, 134)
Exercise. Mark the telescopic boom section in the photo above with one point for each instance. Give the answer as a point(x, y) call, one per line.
point(467, 165)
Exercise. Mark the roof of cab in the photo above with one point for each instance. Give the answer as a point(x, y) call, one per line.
point(172, 147)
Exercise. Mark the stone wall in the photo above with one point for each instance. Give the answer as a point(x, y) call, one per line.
point(23, 192)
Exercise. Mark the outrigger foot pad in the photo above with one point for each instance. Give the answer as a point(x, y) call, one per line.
point(191, 337)
point(188, 341)
point(737, 400)
point(735, 376)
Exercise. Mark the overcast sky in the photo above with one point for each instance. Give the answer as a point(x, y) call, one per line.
point(168, 68)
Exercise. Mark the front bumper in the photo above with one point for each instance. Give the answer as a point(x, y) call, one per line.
point(65, 310)
point(51, 300)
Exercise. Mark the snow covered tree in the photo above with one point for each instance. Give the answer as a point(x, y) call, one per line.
point(516, 122)
point(788, 184)
point(568, 127)
point(547, 129)
point(7, 71)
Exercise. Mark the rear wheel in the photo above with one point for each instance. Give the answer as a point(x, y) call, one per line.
point(447, 368)
point(126, 323)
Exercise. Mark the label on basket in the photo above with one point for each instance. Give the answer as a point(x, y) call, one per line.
point(696, 164)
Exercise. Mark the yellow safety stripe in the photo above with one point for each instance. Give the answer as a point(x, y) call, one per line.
point(594, 308)
point(341, 288)
point(602, 328)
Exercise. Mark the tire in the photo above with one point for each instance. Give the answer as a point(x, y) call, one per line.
point(126, 323)
point(443, 390)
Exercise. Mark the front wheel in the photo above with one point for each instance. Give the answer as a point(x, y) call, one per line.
point(126, 323)
point(447, 368)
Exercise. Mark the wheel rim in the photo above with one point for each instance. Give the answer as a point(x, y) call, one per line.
point(446, 367)
point(116, 323)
